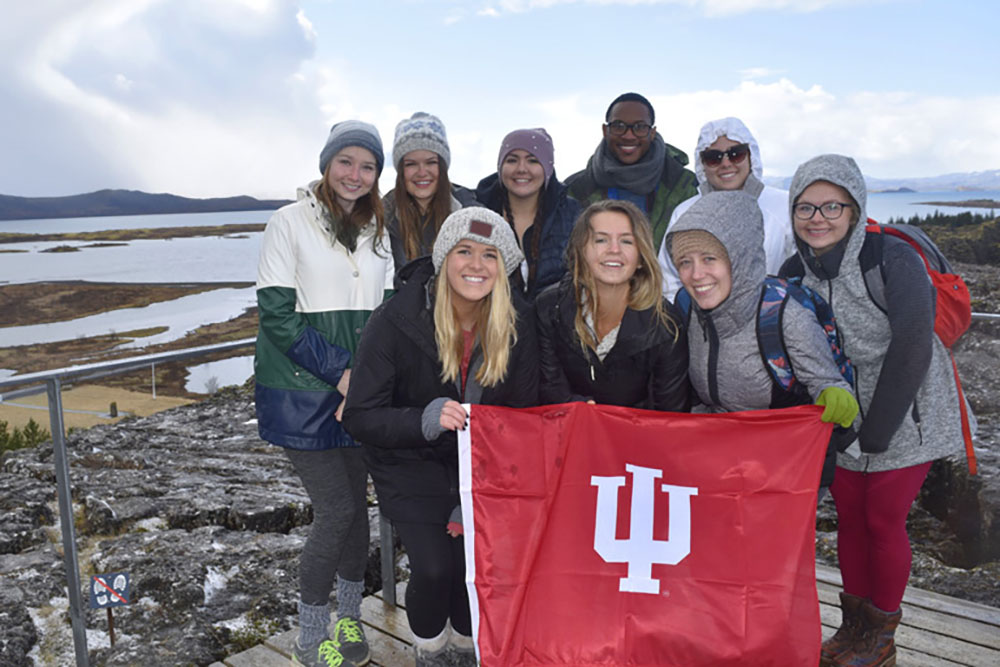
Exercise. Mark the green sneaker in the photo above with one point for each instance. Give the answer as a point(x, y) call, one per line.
point(349, 638)
point(324, 654)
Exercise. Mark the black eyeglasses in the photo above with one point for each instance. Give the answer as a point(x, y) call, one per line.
point(831, 210)
point(619, 127)
point(736, 154)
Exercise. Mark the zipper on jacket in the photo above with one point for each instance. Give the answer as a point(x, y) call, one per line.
point(843, 346)
point(713, 359)
point(915, 415)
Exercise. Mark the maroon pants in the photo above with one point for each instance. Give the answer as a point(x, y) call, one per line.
point(872, 544)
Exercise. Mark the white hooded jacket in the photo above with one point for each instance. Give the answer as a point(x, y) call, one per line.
point(779, 239)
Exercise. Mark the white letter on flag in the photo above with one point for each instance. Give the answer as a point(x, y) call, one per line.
point(640, 550)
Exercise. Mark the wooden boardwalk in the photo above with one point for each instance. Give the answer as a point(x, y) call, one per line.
point(936, 631)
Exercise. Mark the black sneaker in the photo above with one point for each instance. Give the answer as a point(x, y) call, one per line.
point(349, 638)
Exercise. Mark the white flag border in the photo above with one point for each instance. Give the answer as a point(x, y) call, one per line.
point(468, 525)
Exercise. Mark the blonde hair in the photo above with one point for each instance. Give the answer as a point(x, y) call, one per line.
point(496, 325)
point(645, 285)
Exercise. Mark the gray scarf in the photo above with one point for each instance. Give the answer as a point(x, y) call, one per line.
point(640, 178)
point(751, 186)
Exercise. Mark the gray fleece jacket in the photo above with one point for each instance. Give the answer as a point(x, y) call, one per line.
point(903, 376)
point(726, 367)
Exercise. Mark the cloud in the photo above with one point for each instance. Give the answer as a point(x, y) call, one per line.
point(196, 98)
point(230, 97)
point(890, 134)
point(758, 73)
point(708, 7)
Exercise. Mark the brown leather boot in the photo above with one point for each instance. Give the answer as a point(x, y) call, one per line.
point(877, 646)
point(849, 631)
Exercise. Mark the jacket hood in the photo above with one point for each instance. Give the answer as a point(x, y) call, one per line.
point(837, 169)
point(307, 194)
point(735, 130)
point(734, 218)
point(418, 271)
point(844, 172)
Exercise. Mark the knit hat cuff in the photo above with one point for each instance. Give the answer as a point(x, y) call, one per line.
point(483, 226)
point(695, 240)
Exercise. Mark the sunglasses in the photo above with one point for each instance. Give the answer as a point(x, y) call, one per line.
point(736, 154)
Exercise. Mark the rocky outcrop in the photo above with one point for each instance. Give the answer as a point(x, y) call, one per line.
point(209, 521)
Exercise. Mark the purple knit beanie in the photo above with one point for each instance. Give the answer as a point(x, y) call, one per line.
point(534, 140)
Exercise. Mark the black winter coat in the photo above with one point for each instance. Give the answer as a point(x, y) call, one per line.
point(647, 368)
point(559, 212)
point(396, 374)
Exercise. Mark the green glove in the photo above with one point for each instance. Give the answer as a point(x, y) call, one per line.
point(841, 408)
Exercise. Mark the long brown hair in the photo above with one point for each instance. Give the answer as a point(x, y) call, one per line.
point(645, 285)
point(411, 221)
point(365, 208)
point(531, 254)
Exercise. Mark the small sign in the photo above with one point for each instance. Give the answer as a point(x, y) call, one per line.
point(110, 590)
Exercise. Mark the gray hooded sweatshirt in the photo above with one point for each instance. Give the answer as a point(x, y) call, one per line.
point(902, 373)
point(726, 368)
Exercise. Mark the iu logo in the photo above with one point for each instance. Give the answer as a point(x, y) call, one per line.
point(640, 550)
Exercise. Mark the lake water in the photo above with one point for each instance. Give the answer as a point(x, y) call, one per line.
point(180, 316)
point(205, 378)
point(221, 259)
point(885, 205)
point(100, 223)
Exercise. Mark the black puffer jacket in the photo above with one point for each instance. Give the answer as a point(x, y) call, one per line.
point(559, 212)
point(647, 368)
point(396, 374)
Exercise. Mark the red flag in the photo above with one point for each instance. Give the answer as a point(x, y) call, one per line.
point(598, 535)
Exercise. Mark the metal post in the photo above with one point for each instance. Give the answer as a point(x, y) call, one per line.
point(152, 369)
point(388, 560)
point(65, 492)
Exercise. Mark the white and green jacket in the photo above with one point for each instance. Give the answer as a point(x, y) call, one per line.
point(314, 297)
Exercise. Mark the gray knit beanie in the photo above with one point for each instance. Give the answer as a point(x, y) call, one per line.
point(352, 133)
point(477, 224)
point(420, 132)
point(840, 170)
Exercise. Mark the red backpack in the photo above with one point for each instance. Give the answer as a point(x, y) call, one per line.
point(953, 310)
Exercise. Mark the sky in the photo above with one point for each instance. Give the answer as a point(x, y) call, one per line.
point(208, 98)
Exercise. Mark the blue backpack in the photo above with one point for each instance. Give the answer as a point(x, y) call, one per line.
point(771, 341)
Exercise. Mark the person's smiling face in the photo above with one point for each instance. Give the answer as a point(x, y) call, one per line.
point(471, 269)
point(611, 253)
point(628, 148)
point(818, 231)
point(727, 175)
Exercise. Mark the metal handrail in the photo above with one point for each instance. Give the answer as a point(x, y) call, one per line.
point(53, 381)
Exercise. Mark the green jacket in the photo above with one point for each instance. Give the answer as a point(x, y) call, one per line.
point(676, 185)
point(314, 297)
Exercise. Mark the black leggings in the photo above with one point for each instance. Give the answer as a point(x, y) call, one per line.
point(436, 590)
point(336, 481)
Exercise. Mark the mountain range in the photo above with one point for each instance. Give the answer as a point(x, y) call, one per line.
point(124, 202)
point(973, 180)
point(136, 202)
